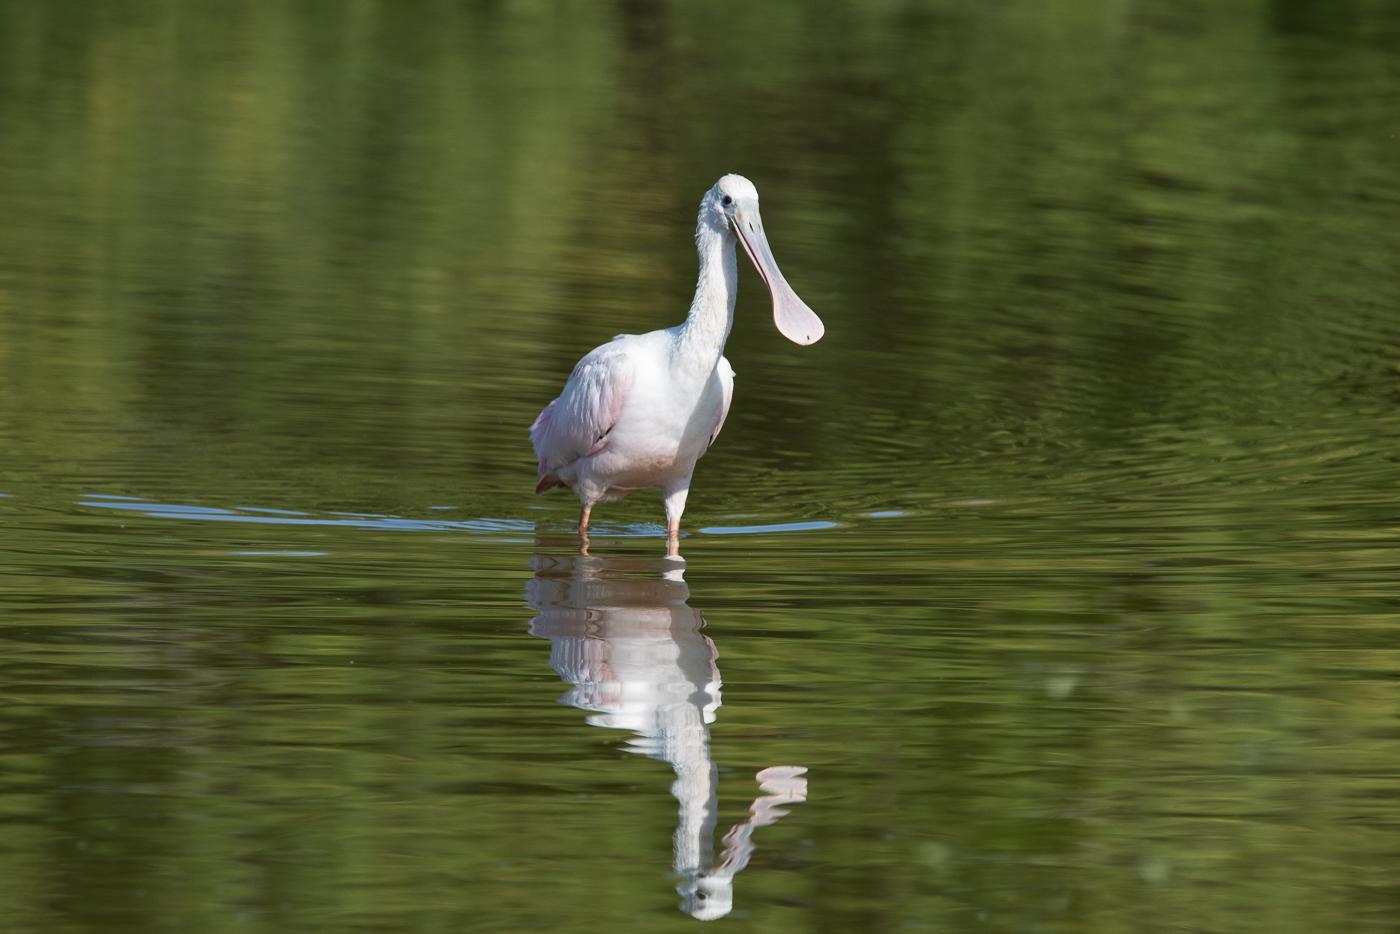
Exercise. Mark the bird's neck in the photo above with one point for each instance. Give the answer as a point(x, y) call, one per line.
point(711, 316)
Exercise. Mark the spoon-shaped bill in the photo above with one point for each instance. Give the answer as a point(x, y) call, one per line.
point(793, 318)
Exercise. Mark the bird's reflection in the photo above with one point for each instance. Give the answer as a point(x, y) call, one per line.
point(635, 657)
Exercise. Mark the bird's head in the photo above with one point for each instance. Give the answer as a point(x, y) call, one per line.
point(723, 200)
point(707, 897)
point(731, 206)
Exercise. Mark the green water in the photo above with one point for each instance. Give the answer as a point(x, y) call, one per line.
point(1066, 564)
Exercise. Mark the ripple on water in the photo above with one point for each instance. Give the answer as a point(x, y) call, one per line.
point(275, 516)
point(289, 517)
point(811, 526)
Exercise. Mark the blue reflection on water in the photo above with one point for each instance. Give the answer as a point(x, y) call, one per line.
point(266, 515)
point(815, 525)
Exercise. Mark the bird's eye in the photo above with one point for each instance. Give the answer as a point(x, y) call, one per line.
point(727, 201)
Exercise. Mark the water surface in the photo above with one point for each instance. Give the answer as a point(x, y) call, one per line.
point(1054, 590)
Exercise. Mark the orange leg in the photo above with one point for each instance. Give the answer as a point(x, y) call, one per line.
point(583, 529)
point(675, 505)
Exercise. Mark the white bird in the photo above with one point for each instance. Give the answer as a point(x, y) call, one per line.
point(640, 410)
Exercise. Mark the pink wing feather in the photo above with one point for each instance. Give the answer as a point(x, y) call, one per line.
point(577, 423)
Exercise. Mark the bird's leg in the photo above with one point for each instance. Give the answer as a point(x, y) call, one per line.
point(675, 505)
point(583, 528)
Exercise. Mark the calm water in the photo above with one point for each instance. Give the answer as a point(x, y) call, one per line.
point(1057, 589)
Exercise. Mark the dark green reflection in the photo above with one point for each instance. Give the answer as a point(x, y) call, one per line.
point(1066, 560)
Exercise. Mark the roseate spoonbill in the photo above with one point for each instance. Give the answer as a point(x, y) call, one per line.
point(640, 410)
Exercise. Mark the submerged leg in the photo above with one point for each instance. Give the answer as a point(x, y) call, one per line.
point(675, 505)
point(583, 527)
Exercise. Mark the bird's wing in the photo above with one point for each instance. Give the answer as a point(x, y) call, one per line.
point(726, 382)
point(578, 422)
